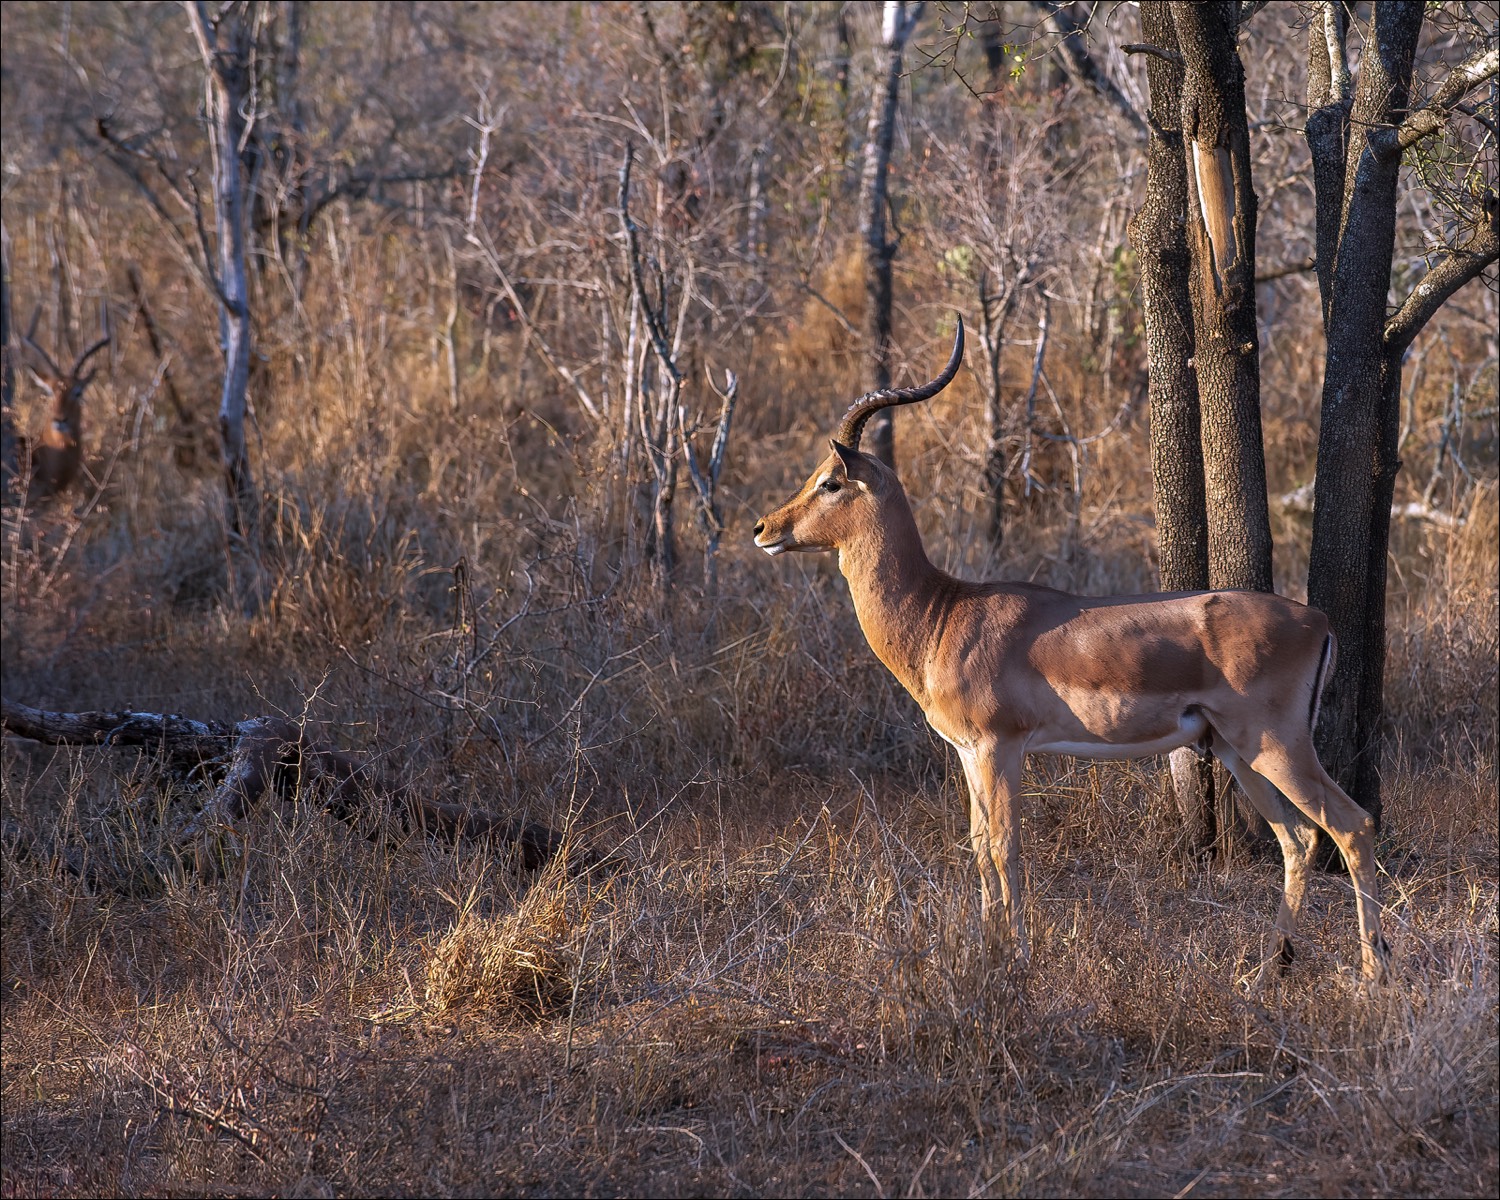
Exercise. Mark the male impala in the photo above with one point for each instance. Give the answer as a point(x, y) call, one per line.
point(57, 456)
point(1002, 670)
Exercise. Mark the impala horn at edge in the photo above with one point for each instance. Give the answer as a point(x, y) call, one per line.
point(853, 425)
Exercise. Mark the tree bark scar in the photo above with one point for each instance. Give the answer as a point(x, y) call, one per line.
point(1215, 175)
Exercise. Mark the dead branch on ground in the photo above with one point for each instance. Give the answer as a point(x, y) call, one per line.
point(275, 753)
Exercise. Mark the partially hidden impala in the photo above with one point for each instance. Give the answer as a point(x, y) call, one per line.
point(1003, 670)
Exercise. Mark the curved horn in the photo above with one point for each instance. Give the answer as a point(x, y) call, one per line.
point(853, 424)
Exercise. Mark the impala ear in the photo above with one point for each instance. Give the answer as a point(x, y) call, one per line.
point(858, 468)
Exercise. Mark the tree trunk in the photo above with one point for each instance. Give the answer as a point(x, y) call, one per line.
point(1158, 232)
point(658, 405)
point(1327, 132)
point(841, 70)
point(10, 447)
point(226, 44)
point(880, 250)
point(1221, 242)
point(756, 248)
point(1370, 709)
point(284, 145)
point(993, 311)
point(1159, 235)
point(1357, 442)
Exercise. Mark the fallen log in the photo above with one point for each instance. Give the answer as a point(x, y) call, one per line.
point(273, 753)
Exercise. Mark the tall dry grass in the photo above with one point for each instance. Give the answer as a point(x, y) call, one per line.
point(778, 984)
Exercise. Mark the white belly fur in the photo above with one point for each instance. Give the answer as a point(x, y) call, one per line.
point(1191, 727)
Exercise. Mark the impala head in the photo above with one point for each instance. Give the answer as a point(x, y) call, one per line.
point(849, 489)
point(65, 390)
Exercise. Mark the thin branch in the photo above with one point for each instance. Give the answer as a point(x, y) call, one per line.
point(838, 313)
point(706, 481)
point(359, 185)
point(1281, 272)
point(1470, 110)
point(121, 155)
point(726, 415)
point(211, 275)
point(655, 324)
point(528, 327)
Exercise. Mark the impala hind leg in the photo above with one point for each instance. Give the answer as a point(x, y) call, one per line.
point(1298, 842)
point(994, 778)
point(1295, 769)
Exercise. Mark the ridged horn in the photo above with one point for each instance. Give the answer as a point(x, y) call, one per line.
point(853, 425)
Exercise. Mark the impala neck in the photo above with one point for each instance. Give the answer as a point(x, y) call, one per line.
point(895, 589)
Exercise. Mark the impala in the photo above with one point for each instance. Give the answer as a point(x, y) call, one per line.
point(1002, 670)
point(57, 456)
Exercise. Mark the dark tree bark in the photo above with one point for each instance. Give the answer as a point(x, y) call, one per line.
point(1194, 237)
point(1327, 131)
point(1221, 213)
point(1158, 232)
point(1357, 144)
point(900, 18)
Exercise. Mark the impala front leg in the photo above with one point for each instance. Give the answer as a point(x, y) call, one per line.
point(994, 776)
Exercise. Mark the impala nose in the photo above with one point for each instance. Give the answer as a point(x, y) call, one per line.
point(759, 528)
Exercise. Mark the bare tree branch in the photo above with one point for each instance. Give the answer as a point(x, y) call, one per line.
point(1454, 269)
point(1169, 56)
point(1083, 66)
point(1281, 272)
point(1431, 117)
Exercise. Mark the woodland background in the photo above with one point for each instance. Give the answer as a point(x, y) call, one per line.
point(754, 966)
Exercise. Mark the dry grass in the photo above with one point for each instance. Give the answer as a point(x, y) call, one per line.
point(521, 964)
point(777, 995)
point(779, 984)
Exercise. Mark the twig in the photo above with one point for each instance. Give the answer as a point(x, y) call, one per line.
point(860, 1159)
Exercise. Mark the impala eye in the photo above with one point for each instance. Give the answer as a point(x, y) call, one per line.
point(830, 485)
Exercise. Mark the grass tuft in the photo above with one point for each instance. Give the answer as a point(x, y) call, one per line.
point(520, 966)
